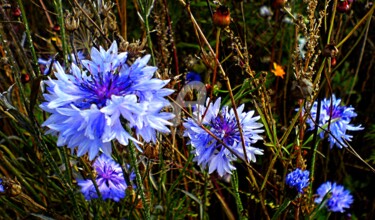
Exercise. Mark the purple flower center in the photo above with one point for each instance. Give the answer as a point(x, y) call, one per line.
point(102, 87)
point(335, 111)
point(224, 129)
point(106, 172)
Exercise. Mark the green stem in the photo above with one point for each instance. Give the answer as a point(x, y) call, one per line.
point(57, 171)
point(217, 57)
point(149, 41)
point(283, 206)
point(359, 38)
point(30, 39)
point(312, 170)
point(332, 22)
point(237, 196)
point(140, 187)
point(65, 157)
point(60, 18)
point(357, 25)
point(355, 78)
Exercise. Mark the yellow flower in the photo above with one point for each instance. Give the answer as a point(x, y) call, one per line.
point(278, 70)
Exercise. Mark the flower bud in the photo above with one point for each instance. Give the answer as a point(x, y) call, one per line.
point(278, 3)
point(25, 78)
point(333, 61)
point(221, 17)
point(16, 12)
point(343, 6)
point(56, 28)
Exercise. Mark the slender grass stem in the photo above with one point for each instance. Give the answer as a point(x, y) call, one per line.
point(217, 58)
point(30, 39)
point(359, 60)
point(369, 13)
point(134, 164)
point(332, 21)
point(237, 196)
point(60, 18)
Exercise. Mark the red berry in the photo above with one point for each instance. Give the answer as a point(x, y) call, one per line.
point(343, 6)
point(25, 78)
point(16, 12)
point(333, 61)
point(56, 28)
point(221, 17)
point(208, 88)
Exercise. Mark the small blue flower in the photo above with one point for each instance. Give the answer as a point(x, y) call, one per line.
point(1, 186)
point(91, 107)
point(110, 180)
point(298, 179)
point(265, 11)
point(80, 56)
point(340, 117)
point(46, 65)
point(339, 199)
point(210, 152)
point(193, 76)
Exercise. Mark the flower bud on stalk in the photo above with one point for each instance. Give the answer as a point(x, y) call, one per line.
point(278, 3)
point(221, 17)
point(343, 6)
point(16, 12)
point(56, 28)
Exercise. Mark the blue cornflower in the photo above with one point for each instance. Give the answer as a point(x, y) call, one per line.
point(298, 179)
point(46, 64)
point(340, 117)
point(210, 152)
point(109, 178)
point(339, 198)
point(91, 107)
point(193, 76)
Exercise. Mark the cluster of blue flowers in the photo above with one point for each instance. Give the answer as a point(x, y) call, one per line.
point(110, 180)
point(339, 117)
point(298, 179)
point(338, 201)
point(91, 107)
point(222, 123)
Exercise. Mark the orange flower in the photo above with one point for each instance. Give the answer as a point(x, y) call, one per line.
point(278, 70)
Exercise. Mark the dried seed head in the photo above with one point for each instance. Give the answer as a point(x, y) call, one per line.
point(12, 188)
point(71, 22)
point(110, 23)
point(302, 88)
